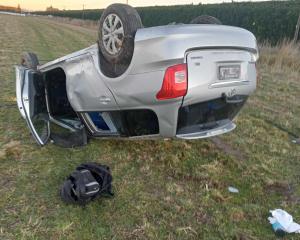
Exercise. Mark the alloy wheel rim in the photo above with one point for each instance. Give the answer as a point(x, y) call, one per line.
point(112, 34)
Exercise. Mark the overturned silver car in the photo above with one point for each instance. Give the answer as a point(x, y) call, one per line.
point(182, 80)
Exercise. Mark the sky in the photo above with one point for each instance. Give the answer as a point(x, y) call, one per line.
point(92, 4)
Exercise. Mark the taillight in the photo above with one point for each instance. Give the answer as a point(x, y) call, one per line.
point(174, 83)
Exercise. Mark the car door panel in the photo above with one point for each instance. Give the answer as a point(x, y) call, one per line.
point(34, 105)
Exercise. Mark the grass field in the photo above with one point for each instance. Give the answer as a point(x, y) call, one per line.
point(163, 189)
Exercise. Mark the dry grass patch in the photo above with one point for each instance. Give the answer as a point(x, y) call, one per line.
point(285, 56)
point(11, 149)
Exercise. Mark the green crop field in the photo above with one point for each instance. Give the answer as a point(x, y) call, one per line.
point(271, 21)
point(164, 189)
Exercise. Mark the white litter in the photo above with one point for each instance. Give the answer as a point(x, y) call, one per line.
point(233, 190)
point(285, 221)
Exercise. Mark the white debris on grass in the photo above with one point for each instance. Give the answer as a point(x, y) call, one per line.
point(284, 220)
point(233, 190)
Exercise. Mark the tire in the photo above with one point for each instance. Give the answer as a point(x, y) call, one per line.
point(206, 19)
point(29, 60)
point(117, 27)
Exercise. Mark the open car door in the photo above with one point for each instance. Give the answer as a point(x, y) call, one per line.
point(33, 103)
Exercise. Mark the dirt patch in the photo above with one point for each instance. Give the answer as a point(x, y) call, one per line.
point(227, 148)
point(285, 189)
point(188, 178)
point(203, 217)
point(243, 236)
point(201, 181)
point(237, 215)
point(10, 149)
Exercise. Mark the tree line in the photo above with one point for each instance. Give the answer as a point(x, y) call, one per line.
point(271, 20)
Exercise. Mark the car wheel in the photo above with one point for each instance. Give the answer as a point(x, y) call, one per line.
point(206, 19)
point(29, 60)
point(117, 27)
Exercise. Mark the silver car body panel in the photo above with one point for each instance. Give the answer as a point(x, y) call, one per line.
point(202, 47)
point(20, 75)
point(26, 102)
point(227, 127)
point(203, 82)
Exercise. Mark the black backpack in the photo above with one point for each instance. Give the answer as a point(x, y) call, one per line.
point(87, 182)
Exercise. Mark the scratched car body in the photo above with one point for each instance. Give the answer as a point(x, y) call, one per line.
point(183, 81)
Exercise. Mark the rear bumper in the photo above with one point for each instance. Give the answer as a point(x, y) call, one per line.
point(227, 127)
point(210, 118)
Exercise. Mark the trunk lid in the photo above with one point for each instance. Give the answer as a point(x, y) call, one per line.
point(205, 74)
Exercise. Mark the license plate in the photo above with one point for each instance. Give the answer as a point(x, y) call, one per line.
point(229, 72)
